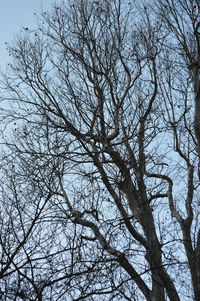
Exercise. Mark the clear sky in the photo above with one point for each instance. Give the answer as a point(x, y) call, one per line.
point(15, 14)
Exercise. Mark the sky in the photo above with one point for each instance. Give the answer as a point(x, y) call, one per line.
point(14, 15)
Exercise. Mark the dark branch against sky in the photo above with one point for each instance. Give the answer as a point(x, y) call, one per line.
point(14, 15)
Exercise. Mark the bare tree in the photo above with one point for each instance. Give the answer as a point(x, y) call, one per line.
point(100, 100)
point(183, 21)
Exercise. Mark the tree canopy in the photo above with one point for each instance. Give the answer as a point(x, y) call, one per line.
point(100, 119)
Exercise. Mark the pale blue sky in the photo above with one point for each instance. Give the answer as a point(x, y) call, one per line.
point(14, 14)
